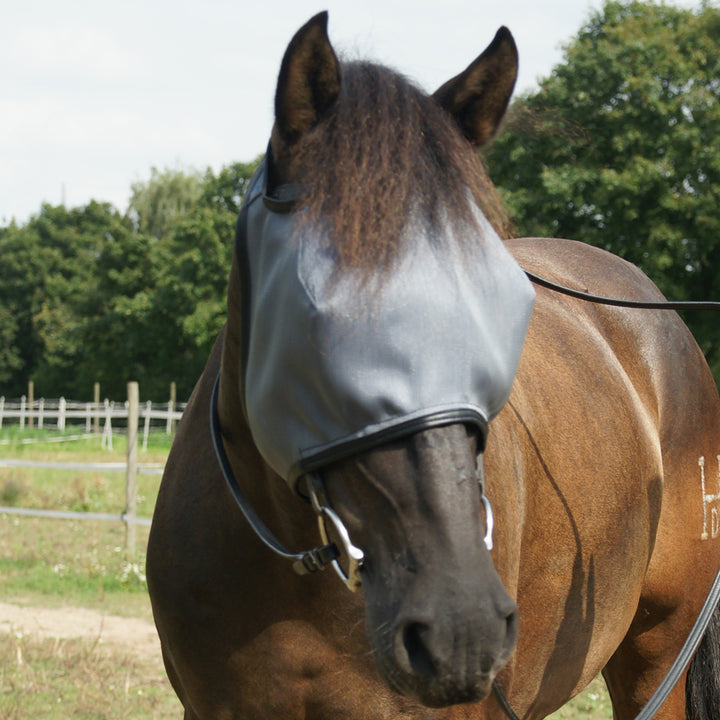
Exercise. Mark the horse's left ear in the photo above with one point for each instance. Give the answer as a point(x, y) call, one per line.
point(309, 80)
point(478, 97)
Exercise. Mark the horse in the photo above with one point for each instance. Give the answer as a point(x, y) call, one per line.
point(563, 525)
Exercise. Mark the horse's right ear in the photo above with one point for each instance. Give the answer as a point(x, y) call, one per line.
point(478, 97)
point(309, 80)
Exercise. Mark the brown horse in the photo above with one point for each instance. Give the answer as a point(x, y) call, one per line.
point(601, 468)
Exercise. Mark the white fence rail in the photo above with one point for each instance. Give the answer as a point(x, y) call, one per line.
point(62, 414)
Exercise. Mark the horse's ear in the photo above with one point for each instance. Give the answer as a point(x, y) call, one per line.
point(478, 97)
point(309, 80)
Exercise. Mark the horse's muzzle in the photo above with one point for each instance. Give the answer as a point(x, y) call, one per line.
point(451, 658)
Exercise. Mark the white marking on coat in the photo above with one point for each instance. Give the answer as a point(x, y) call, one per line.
point(711, 518)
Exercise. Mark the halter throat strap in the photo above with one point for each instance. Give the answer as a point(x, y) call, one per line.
point(317, 558)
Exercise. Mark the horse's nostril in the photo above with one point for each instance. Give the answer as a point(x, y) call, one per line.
point(419, 657)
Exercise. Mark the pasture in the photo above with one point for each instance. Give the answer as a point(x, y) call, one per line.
point(73, 586)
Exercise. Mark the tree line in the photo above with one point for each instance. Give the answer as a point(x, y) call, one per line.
point(92, 295)
point(618, 147)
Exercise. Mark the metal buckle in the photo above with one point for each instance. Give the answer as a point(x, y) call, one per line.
point(355, 555)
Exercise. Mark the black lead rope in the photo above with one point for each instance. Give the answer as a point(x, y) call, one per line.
point(676, 669)
point(502, 701)
point(703, 620)
point(641, 304)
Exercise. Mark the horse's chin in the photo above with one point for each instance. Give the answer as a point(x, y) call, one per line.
point(438, 692)
point(419, 680)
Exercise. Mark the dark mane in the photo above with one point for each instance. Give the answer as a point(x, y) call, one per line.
point(385, 151)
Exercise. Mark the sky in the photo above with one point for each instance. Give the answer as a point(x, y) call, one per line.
point(94, 93)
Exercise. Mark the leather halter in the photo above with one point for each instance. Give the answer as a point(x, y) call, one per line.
point(320, 557)
point(303, 562)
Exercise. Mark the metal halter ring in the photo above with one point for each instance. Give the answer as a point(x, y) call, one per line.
point(355, 555)
point(489, 521)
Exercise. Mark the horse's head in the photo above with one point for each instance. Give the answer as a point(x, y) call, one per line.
point(387, 322)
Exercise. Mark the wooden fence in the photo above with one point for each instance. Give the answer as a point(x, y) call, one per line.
point(62, 413)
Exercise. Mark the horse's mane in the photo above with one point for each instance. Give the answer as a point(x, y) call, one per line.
point(385, 153)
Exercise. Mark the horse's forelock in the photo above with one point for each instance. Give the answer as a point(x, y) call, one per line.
point(386, 152)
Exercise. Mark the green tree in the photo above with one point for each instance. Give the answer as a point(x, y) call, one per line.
point(116, 307)
point(18, 347)
point(89, 295)
point(16, 293)
point(225, 191)
point(165, 197)
point(618, 148)
point(70, 242)
point(158, 297)
point(47, 266)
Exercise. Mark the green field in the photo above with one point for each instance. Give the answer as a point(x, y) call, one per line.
point(50, 563)
point(60, 564)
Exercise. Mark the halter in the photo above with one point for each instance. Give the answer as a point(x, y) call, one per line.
point(320, 557)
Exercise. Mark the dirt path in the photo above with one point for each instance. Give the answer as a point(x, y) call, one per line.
point(70, 622)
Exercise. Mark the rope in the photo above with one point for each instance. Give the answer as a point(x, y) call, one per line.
point(617, 302)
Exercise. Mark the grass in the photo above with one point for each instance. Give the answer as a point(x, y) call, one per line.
point(81, 563)
point(79, 560)
point(592, 704)
point(58, 679)
point(54, 563)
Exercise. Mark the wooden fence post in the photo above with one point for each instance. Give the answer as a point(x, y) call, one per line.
point(22, 412)
point(96, 403)
point(131, 473)
point(2, 409)
point(31, 401)
point(146, 427)
point(62, 410)
point(170, 427)
point(106, 442)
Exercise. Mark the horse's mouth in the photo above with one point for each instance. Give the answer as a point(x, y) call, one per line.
point(413, 675)
point(439, 691)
